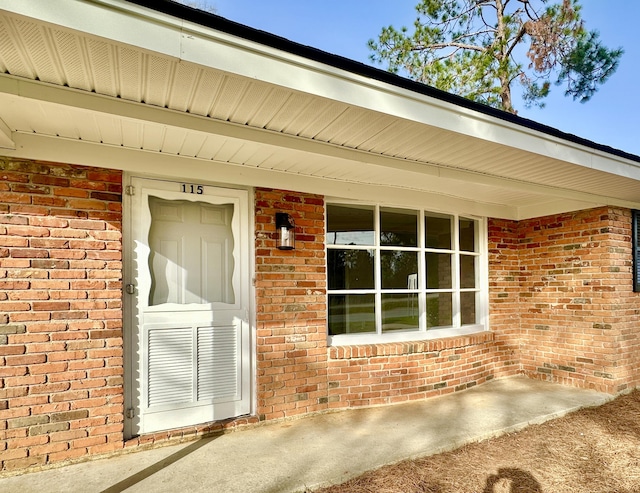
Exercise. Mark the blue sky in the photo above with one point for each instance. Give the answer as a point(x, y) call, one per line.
point(342, 27)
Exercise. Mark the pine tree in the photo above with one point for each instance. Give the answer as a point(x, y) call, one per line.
point(480, 48)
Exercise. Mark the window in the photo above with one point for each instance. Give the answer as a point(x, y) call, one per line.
point(395, 274)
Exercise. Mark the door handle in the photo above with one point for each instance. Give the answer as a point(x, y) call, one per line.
point(130, 288)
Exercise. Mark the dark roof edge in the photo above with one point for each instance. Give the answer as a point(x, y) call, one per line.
point(222, 24)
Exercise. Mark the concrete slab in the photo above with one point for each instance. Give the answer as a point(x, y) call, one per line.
point(297, 455)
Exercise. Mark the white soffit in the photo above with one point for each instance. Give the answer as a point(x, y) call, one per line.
point(185, 90)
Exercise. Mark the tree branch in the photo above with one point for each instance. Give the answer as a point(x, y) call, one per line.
point(516, 40)
point(458, 46)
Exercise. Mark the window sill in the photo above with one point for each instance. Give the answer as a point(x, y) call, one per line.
point(433, 341)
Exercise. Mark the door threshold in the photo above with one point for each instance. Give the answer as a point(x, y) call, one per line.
point(168, 437)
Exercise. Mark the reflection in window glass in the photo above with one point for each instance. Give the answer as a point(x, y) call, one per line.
point(351, 313)
point(399, 269)
point(468, 308)
point(391, 270)
point(467, 271)
point(350, 269)
point(439, 309)
point(438, 270)
point(399, 312)
point(398, 227)
point(438, 231)
point(468, 235)
point(350, 225)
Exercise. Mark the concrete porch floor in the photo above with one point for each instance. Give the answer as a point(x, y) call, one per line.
point(290, 456)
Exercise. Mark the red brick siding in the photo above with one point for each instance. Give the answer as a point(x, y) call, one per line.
point(568, 293)
point(291, 307)
point(61, 357)
point(376, 374)
point(504, 290)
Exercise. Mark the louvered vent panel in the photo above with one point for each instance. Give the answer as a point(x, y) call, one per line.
point(269, 108)
point(182, 86)
point(69, 50)
point(371, 127)
point(205, 92)
point(170, 363)
point(10, 59)
point(102, 66)
point(293, 106)
point(217, 362)
point(316, 117)
point(159, 75)
point(252, 100)
point(342, 127)
point(130, 62)
point(36, 44)
point(233, 90)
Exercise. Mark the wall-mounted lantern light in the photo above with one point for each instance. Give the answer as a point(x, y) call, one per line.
point(285, 227)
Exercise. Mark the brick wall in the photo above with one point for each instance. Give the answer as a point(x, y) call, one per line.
point(504, 289)
point(291, 307)
point(389, 373)
point(560, 297)
point(61, 393)
point(564, 284)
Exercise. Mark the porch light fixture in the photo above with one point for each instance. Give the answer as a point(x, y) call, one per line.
point(285, 227)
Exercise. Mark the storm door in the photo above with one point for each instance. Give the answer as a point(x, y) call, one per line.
point(189, 297)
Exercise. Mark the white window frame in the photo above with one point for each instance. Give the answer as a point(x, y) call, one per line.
point(423, 333)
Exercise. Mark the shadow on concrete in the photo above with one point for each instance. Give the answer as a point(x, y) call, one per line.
point(158, 466)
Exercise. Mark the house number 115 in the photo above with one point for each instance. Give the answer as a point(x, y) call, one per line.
point(197, 189)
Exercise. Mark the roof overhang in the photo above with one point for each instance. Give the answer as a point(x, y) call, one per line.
point(114, 84)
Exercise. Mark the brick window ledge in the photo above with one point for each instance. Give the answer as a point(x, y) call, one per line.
point(409, 347)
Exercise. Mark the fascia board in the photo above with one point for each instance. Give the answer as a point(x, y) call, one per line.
point(121, 21)
point(114, 20)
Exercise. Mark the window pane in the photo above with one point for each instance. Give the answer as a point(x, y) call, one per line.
point(351, 314)
point(468, 235)
point(438, 270)
point(191, 252)
point(399, 269)
point(468, 308)
point(398, 227)
point(438, 232)
point(350, 269)
point(399, 312)
point(439, 310)
point(350, 225)
point(467, 271)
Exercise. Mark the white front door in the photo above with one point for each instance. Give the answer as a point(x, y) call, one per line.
point(188, 291)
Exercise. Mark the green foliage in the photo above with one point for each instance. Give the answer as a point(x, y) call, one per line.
point(480, 48)
point(588, 65)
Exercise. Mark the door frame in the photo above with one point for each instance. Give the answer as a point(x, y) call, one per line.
point(131, 386)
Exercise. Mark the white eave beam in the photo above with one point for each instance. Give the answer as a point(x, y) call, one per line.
point(6, 141)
